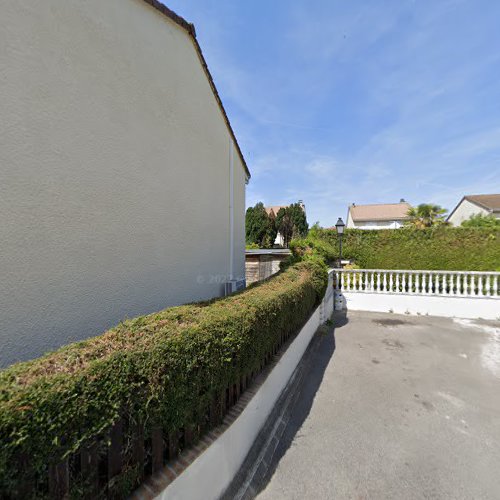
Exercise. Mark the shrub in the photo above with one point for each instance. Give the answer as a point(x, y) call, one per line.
point(439, 248)
point(313, 248)
point(480, 220)
point(162, 369)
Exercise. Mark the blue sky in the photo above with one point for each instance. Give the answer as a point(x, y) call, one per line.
point(335, 102)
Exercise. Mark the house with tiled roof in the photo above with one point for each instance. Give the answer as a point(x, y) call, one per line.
point(475, 204)
point(378, 216)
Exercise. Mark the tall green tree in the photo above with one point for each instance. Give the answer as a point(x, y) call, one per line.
point(284, 225)
point(299, 219)
point(291, 222)
point(260, 229)
point(480, 220)
point(426, 215)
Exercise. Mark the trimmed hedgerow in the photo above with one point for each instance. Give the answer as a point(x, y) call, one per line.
point(162, 369)
point(440, 248)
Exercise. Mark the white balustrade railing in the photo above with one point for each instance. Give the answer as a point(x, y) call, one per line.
point(452, 283)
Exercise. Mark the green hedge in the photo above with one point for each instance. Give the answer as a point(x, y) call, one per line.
point(467, 249)
point(162, 369)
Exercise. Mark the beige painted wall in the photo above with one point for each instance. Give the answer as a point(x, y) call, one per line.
point(114, 172)
point(464, 212)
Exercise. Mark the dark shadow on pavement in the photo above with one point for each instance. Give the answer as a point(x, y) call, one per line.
point(292, 408)
point(319, 358)
point(340, 318)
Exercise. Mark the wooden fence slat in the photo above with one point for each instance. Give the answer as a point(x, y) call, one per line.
point(89, 462)
point(173, 445)
point(138, 450)
point(222, 406)
point(59, 480)
point(26, 487)
point(188, 436)
point(214, 413)
point(115, 449)
point(157, 449)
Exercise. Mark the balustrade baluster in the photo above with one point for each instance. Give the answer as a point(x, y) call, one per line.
point(417, 283)
point(397, 282)
point(423, 283)
point(452, 285)
point(472, 284)
point(379, 282)
point(391, 282)
point(384, 285)
point(495, 285)
point(410, 283)
point(480, 290)
point(488, 285)
point(437, 290)
point(403, 283)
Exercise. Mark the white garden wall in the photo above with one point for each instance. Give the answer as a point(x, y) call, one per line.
point(458, 294)
point(450, 307)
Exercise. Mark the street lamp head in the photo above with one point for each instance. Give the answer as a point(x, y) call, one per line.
point(340, 226)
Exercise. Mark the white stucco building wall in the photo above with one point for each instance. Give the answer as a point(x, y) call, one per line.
point(114, 172)
point(395, 224)
point(464, 211)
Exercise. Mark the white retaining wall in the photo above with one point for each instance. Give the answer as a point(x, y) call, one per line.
point(432, 305)
point(212, 472)
point(452, 294)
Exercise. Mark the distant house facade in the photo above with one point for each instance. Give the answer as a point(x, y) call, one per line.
point(378, 216)
point(272, 211)
point(122, 185)
point(475, 204)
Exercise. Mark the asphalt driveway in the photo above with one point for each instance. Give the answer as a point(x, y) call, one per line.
point(390, 407)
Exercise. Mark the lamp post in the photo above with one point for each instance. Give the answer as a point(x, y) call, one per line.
point(340, 226)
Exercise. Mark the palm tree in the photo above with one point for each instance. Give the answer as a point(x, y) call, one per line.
point(426, 215)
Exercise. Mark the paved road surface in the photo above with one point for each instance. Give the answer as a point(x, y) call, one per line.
point(391, 407)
